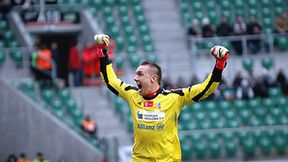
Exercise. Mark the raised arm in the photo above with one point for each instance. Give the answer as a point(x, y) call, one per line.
point(203, 90)
point(113, 83)
point(110, 79)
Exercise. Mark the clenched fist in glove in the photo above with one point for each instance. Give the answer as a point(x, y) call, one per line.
point(221, 55)
point(102, 40)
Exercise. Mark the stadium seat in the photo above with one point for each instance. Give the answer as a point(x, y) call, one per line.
point(186, 147)
point(282, 101)
point(200, 149)
point(218, 124)
point(232, 123)
point(249, 146)
point(280, 143)
point(2, 57)
point(123, 11)
point(274, 92)
point(134, 61)
point(267, 62)
point(240, 104)
point(77, 116)
point(260, 112)
point(4, 25)
point(214, 149)
point(151, 56)
point(71, 106)
point(255, 122)
point(17, 57)
point(214, 115)
point(265, 3)
point(245, 115)
point(247, 64)
point(253, 103)
point(278, 10)
point(230, 147)
point(229, 114)
point(230, 144)
point(56, 105)
point(265, 144)
point(282, 43)
point(48, 96)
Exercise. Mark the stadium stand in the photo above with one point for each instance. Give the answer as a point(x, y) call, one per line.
point(223, 130)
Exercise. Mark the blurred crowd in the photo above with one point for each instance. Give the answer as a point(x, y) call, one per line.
point(82, 62)
point(252, 27)
point(242, 87)
point(39, 157)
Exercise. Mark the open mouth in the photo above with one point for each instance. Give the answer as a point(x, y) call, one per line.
point(139, 85)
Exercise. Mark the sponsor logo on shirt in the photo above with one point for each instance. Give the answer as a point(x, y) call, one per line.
point(143, 115)
point(148, 104)
point(158, 127)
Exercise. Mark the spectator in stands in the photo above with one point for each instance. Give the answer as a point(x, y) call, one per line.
point(244, 91)
point(224, 28)
point(207, 28)
point(55, 55)
point(181, 82)
point(239, 29)
point(237, 80)
point(26, 8)
point(167, 84)
point(268, 81)
point(23, 158)
point(91, 67)
point(11, 158)
point(41, 66)
point(40, 158)
point(259, 89)
point(281, 78)
point(74, 65)
point(281, 23)
point(281, 81)
point(254, 28)
point(5, 7)
point(88, 125)
point(194, 30)
point(194, 80)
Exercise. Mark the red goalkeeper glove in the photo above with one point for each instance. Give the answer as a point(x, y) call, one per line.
point(221, 55)
point(102, 40)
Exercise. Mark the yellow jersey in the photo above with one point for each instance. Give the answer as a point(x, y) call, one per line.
point(155, 119)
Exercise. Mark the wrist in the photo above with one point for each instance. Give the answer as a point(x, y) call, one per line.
point(220, 65)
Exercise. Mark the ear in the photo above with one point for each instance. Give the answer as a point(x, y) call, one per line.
point(153, 78)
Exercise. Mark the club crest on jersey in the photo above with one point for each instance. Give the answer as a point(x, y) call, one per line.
point(158, 105)
point(148, 104)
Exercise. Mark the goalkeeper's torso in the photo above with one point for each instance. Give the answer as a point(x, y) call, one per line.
point(155, 126)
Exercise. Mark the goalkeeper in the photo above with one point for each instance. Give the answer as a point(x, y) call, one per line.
point(155, 111)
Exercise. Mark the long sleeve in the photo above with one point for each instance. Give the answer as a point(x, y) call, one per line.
point(203, 90)
point(113, 83)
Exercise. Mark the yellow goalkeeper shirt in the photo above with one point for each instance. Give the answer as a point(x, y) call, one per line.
point(155, 119)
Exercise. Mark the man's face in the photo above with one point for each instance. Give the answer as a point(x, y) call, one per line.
point(144, 79)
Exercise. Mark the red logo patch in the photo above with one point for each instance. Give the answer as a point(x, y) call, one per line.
point(148, 104)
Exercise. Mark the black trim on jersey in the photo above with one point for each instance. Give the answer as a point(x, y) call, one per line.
point(121, 83)
point(130, 87)
point(176, 91)
point(216, 77)
point(104, 61)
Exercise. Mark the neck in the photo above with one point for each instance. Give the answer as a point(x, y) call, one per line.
point(153, 93)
